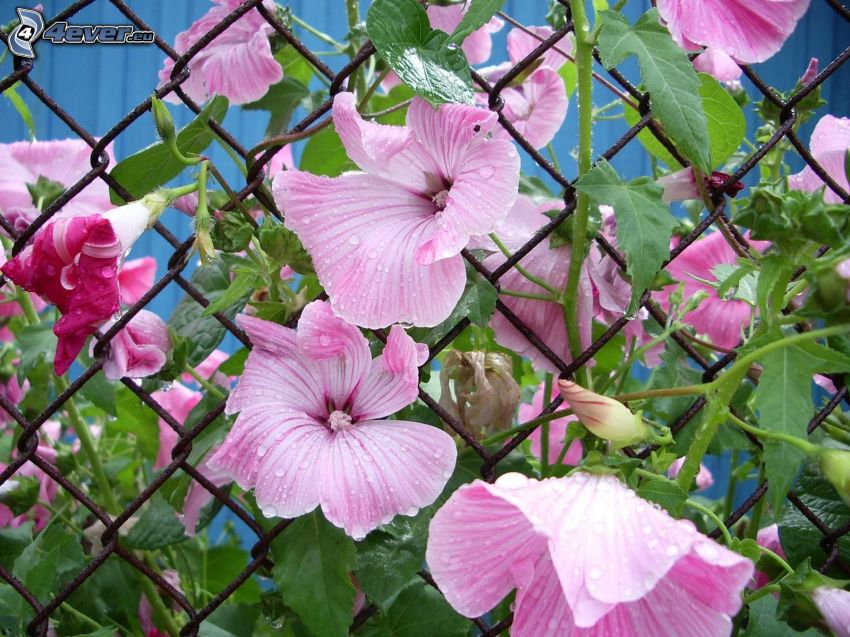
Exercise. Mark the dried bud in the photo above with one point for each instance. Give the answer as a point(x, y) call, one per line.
point(485, 392)
point(835, 465)
point(603, 416)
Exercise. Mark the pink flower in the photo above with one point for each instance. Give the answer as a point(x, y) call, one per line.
point(586, 556)
point(208, 369)
point(768, 537)
point(603, 416)
point(811, 72)
point(544, 318)
point(557, 430)
point(74, 262)
point(719, 65)
point(138, 350)
point(681, 185)
point(828, 145)
point(722, 320)
point(64, 161)
point(238, 64)
point(146, 610)
point(308, 432)
point(177, 401)
point(477, 45)
point(393, 255)
point(47, 488)
point(136, 278)
point(13, 391)
point(704, 478)
point(748, 31)
point(834, 605)
point(198, 497)
point(538, 106)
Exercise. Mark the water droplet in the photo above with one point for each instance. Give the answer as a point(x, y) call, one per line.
point(486, 172)
point(595, 573)
point(451, 46)
point(354, 239)
point(372, 254)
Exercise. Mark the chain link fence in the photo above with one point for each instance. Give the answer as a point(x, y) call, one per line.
point(612, 81)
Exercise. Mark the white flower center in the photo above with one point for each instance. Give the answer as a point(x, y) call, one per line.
point(440, 199)
point(339, 420)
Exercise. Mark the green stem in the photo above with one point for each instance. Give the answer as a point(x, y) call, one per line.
point(203, 382)
point(762, 592)
point(637, 353)
point(81, 428)
point(324, 37)
point(803, 445)
point(173, 193)
point(758, 509)
point(776, 558)
point(528, 295)
point(714, 517)
point(352, 12)
point(584, 67)
point(162, 615)
point(553, 156)
point(729, 500)
point(544, 428)
point(687, 390)
point(531, 424)
point(534, 279)
point(80, 616)
point(798, 287)
point(25, 301)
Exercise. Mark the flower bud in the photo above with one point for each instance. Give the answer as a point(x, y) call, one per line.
point(140, 349)
point(834, 604)
point(162, 119)
point(811, 72)
point(603, 416)
point(485, 392)
point(703, 480)
point(835, 465)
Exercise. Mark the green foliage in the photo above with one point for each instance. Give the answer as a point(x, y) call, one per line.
point(418, 610)
point(156, 528)
point(313, 562)
point(477, 303)
point(324, 154)
point(283, 247)
point(280, 101)
point(232, 233)
point(38, 344)
point(21, 493)
point(644, 222)
point(669, 76)
point(44, 192)
point(204, 333)
point(428, 60)
point(155, 165)
point(664, 492)
point(478, 14)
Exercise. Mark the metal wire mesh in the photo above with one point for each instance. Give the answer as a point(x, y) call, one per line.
point(260, 551)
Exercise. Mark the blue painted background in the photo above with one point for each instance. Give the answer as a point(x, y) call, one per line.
point(97, 85)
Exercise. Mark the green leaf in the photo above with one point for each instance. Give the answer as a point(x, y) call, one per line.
point(669, 76)
point(38, 343)
point(20, 494)
point(644, 222)
point(230, 620)
point(100, 393)
point(726, 122)
point(234, 365)
point(324, 154)
point(478, 302)
point(425, 59)
point(283, 247)
point(478, 13)
point(664, 492)
point(294, 64)
point(241, 287)
point(232, 233)
point(13, 542)
point(111, 594)
point(54, 557)
point(389, 558)
point(764, 623)
point(153, 166)
point(280, 101)
point(137, 420)
point(419, 610)
point(156, 528)
point(204, 333)
point(44, 192)
point(800, 538)
point(313, 574)
point(21, 107)
point(569, 73)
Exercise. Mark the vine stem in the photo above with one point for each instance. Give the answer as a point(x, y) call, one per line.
point(584, 67)
point(687, 390)
point(714, 518)
point(528, 275)
point(531, 424)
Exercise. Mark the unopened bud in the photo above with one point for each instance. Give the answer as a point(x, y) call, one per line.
point(811, 72)
point(835, 465)
point(162, 120)
point(603, 416)
point(485, 392)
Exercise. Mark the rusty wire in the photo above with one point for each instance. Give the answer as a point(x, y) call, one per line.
point(612, 80)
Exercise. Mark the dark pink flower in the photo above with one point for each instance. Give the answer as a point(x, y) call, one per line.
point(748, 31)
point(74, 262)
point(829, 145)
point(768, 537)
point(136, 278)
point(47, 489)
point(13, 391)
point(557, 430)
point(309, 432)
point(386, 242)
point(140, 349)
point(64, 161)
point(238, 64)
point(586, 556)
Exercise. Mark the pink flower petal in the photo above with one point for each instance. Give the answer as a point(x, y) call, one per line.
point(719, 65)
point(829, 144)
point(237, 64)
point(703, 480)
point(540, 607)
point(136, 278)
point(393, 379)
point(363, 252)
point(477, 45)
point(377, 469)
point(140, 349)
point(525, 218)
point(177, 401)
point(834, 605)
point(747, 30)
point(557, 429)
point(521, 44)
point(198, 497)
point(537, 109)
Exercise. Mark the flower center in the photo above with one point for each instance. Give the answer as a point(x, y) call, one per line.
point(339, 420)
point(440, 199)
